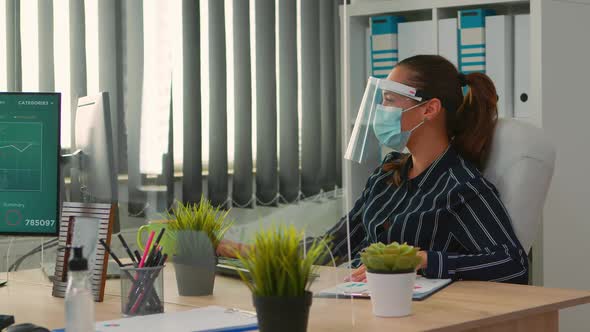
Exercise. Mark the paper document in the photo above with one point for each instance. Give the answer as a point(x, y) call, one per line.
point(212, 318)
point(422, 289)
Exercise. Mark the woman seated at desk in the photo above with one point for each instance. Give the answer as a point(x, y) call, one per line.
point(435, 197)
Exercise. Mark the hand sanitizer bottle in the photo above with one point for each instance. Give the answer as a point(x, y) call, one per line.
point(79, 299)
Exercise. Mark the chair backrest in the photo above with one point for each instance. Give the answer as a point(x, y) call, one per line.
point(520, 165)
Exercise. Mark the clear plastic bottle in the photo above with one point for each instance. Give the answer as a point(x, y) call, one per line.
point(79, 299)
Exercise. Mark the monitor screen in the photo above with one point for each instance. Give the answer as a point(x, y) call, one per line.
point(29, 163)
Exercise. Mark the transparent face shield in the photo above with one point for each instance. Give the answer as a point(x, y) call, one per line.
point(378, 121)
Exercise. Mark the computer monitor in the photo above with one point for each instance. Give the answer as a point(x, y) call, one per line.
point(95, 178)
point(29, 163)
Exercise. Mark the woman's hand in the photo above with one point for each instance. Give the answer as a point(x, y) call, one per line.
point(360, 274)
point(424, 257)
point(229, 248)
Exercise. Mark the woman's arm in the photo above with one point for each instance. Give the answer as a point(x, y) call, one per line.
point(229, 248)
point(352, 222)
point(338, 234)
point(481, 224)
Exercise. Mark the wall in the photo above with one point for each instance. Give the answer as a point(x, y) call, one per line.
point(566, 118)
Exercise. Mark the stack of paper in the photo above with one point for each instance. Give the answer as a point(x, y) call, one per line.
point(422, 289)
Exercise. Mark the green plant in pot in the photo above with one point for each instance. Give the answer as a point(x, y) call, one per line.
point(391, 274)
point(280, 276)
point(196, 230)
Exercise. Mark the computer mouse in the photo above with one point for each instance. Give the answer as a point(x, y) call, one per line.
point(26, 327)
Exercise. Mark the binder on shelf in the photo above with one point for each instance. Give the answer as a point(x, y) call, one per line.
point(447, 40)
point(368, 53)
point(471, 40)
point(522, 74)
point(416, 38)
point(384, 44)
point(499, 34)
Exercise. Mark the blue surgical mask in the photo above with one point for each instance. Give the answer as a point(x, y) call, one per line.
point(387, 126)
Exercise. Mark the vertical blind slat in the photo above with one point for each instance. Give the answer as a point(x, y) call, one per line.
point(328, 96)
point(217, 181)
point(287, 100)
point(339, 153)
point(107, 62)
point(46, 70)
point(13, 56)
point(77, 56)
point(121, 129)
point(192, 185)
point(310, 99)
point(265, 101)
point(134, 74)
point(243, 186)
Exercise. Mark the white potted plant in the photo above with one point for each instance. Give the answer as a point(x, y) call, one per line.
point(391, 274)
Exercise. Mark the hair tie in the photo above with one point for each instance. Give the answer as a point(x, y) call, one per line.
point(462, 79)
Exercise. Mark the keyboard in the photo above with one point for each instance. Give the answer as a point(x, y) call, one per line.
point(229, 267)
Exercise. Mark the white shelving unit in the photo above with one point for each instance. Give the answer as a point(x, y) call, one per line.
point(558, 101)
point(355, 25)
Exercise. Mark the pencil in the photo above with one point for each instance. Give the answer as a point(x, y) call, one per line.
point(147, 249)
point(159, 238)
point(122, 239)
point(111, 252)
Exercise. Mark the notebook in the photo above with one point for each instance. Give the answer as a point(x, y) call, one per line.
point(211, 318)
point(423, 288)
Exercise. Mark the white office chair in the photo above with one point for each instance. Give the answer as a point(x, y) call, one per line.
point(520, 165)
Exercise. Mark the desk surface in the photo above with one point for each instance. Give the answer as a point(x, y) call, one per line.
point(460, 306)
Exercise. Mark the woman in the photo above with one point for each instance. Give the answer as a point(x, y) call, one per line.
point(435, 197)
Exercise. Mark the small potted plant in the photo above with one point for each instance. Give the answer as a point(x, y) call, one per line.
point(279, 277)
point(391, 273)
point(196, 230)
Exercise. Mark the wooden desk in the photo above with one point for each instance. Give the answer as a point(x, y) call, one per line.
point(462, 306)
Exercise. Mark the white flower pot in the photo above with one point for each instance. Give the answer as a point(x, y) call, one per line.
point(391, 294)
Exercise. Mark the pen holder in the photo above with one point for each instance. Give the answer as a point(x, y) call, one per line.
point(142, 291)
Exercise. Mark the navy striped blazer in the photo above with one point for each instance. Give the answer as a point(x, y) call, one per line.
point(450, 210)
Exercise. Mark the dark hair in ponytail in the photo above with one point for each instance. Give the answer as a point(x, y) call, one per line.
point(473, 123)
point(470, 119)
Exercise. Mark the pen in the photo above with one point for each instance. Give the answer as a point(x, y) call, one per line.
point(153, 251)
point(164, 259)
point(137, 255)
point(111, 252)
point(114, 257)
point(160, 254)
point(150, 257)
point(154, 257)
point(122, 239)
